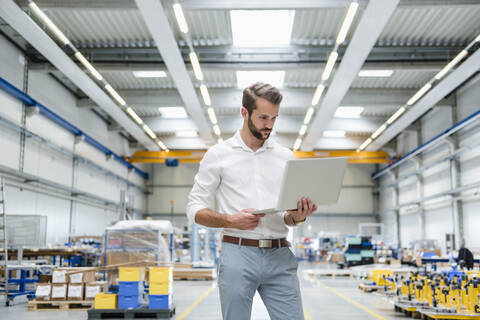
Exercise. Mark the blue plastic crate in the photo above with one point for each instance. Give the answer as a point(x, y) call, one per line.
point(159, 301)
point(129, 302)
point(130, 288)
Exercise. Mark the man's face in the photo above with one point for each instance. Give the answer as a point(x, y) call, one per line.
point(261, 120)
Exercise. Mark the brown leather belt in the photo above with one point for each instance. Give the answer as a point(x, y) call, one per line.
point(264, 243)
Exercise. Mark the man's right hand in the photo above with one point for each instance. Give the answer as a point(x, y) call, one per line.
point(244, 219)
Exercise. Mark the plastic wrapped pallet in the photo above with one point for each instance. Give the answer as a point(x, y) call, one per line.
point(137, 241)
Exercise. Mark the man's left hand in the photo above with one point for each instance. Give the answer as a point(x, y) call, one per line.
point(305, 208)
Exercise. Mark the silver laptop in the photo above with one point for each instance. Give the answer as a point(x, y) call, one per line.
point(318, 179)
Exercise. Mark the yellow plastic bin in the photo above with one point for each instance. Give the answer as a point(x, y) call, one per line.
point(160, 288)
point(106, 301)
point(131, 274)
point(160, 274)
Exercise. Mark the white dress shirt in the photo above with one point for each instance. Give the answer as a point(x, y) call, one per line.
point(232, 177)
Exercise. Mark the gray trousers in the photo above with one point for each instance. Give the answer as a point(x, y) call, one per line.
point(272, 272)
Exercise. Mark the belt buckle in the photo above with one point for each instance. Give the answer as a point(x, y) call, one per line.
point(265, 243)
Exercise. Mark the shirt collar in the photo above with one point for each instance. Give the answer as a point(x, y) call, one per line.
point(237, 142)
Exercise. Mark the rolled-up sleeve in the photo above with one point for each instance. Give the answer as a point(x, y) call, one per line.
point(205, 185)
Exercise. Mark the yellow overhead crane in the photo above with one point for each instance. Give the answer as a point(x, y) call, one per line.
point(194, 156)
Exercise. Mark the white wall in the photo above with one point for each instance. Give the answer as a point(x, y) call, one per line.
point(44, 162)
point(438, 212)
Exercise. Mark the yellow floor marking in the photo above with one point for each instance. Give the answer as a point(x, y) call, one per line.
point(358, 305)
point(306, 314)
point(189, 309)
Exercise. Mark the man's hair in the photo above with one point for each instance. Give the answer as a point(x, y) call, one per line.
point(260, 90)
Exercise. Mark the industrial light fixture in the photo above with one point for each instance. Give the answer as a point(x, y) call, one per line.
point(115, 95)
point(196, 66)
point(352, 9)
point(375, 73)
point(348, 112)
point(173, 112)
point(150, 74)
point(211, 115)
point(216, 129)
point(261, 28)
point(318, 94)
point(87, 65)
point(162, 145)
point(149, 131)
point(182, 23)
point(303, 129)
point(419, 94)
point(205, 95)
point(365, 144)
point(59, 34)
point(186, 134)
point(297, 144)
point(451, 64)
point(379, 131)
point(330, 63)
point(134, 115)
point(308, 116)
point(220, 140)
point(477, 39)
point(247, 78)
point(334, 133)
point(395, 116)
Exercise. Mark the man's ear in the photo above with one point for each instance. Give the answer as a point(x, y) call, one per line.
point(244, 113)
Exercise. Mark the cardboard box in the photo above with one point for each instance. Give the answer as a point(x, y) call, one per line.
point(59, 276)
point(75, 291)
point(45, 278)
point(335, 257)
point(159, 274)
point(43, 292)
point(94, 288)
point(106, 301)
point(131, 274)
point(160, 288)
point(59, 292)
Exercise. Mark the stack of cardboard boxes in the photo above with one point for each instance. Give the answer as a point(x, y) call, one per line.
point(160, 287)
point(130, 287)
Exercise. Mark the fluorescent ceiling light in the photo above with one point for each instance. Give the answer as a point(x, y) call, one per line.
point(348, 112)
point(87, 65)
point(182, 23)
point(59, 34)
point(220, 140)
point(334, 133)
point(419, 94)
point(149, 131)
point(261, 28)
point(297, 144)
point(162, 145)
point(115, 95)
point(375, 73)
point(247, 78)
point(318, 94)
point(173, 112)
point(395, 116)
point(196, 66)
point(211, 115)
point(303, 129)
point(308, 116)
point(134, 115)
point(379, 131)
point(205, 95)
point(330, 63)
point(186, 134)
point(150, 74)
point(216, 129)
point(451, 64)
point(365, 144)
point(352, 9)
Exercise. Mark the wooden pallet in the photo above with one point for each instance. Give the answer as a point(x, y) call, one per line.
point(333, 273)
point(140, 313)
point(370, 287)
point(409, 311)
point(447, 316)
point(194, 274)
point(60, 305)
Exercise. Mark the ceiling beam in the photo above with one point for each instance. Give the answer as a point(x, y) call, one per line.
point(451, 82)
point(159, 27)
point(372, 22)
point(29, 30)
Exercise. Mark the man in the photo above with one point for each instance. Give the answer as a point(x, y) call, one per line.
point(235, 176)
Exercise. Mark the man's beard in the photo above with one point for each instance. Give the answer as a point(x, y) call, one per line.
point(256, 132)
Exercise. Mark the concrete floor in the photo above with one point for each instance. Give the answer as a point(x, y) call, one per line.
point(325, 299)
